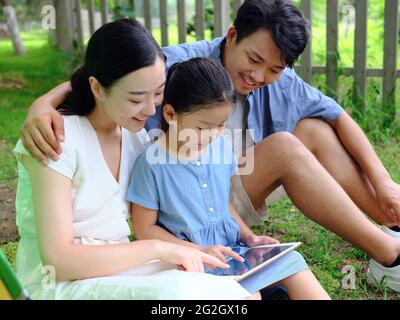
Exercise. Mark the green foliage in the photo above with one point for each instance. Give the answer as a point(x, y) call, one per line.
point(208, 22)
point(375, 32)
point(10, 251)
point(325, 253)
point(124, 11)
point(27, 12)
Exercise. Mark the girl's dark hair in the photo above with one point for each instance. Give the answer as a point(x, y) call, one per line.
point(195, 84)
point(114, 50)
point(288, 27)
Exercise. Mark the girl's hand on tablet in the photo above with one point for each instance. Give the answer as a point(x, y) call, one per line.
point(254, 240)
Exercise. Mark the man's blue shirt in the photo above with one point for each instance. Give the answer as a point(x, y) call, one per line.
point(273, 108)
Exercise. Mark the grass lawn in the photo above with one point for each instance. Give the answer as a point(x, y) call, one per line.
point(22, 79)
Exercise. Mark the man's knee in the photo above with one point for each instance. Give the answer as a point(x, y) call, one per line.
point(283, 140)
point(284, 145)
point(314, 133)
point(311, 124)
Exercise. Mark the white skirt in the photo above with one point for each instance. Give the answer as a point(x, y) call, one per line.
point(155, 280)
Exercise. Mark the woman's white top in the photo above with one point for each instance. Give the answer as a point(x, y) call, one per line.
point(98, 200)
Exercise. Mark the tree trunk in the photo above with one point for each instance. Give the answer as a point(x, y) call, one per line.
point(13, 28)
point(65, 24)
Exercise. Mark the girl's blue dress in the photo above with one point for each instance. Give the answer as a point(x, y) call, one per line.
point(192, 201)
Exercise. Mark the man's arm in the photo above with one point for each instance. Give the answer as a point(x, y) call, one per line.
point(43, 129)
point(311, 103)
point(357, 144)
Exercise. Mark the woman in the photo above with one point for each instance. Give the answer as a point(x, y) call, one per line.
point(72, 214)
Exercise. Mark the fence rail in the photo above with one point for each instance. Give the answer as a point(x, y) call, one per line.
point(222, 19)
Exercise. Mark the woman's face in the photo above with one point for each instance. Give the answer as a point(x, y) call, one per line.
point(134, 97)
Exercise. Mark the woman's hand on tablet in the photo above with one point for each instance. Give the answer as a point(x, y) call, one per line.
point(221, 252)
point(190, 259)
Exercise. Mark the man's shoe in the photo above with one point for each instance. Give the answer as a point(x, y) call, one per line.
point(391, 233)
point(381, 275)
point(378, 274)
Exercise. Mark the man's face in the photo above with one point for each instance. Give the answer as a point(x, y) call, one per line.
point(254, 62)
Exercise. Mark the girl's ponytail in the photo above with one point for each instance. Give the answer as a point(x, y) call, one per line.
point(170, 72)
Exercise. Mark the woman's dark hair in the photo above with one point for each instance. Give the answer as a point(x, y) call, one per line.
point(195, 84)
point(288, 27)
point(114, 50)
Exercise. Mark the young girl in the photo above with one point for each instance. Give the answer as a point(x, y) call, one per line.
point(180, 184)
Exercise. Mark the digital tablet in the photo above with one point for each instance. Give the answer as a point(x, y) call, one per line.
point(255, 258)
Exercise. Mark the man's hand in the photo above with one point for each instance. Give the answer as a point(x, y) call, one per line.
point(388, 197)
point(42, 132)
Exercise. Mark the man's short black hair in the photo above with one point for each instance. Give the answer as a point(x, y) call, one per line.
point(286, 23)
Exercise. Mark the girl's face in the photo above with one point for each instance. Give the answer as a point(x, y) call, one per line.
point(201, 127)
point(134, 97)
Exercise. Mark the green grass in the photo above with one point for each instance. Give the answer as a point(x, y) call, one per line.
point(44, 67)
point(10, 250)
point(326, 253)
point(37, 72)
point(31, 76)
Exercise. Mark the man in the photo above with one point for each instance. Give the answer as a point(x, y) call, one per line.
point(302, 139)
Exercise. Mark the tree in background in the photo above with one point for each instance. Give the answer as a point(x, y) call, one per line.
point(13, 28)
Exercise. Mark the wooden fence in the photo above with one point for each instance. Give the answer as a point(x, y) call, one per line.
point(69, 29)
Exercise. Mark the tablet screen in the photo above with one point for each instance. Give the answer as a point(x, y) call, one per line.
point(253, 257)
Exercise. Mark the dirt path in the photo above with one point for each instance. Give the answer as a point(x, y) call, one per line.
point(8, 229)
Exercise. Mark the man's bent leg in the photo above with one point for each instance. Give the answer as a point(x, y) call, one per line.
point(320, 138)
point(283, 159)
